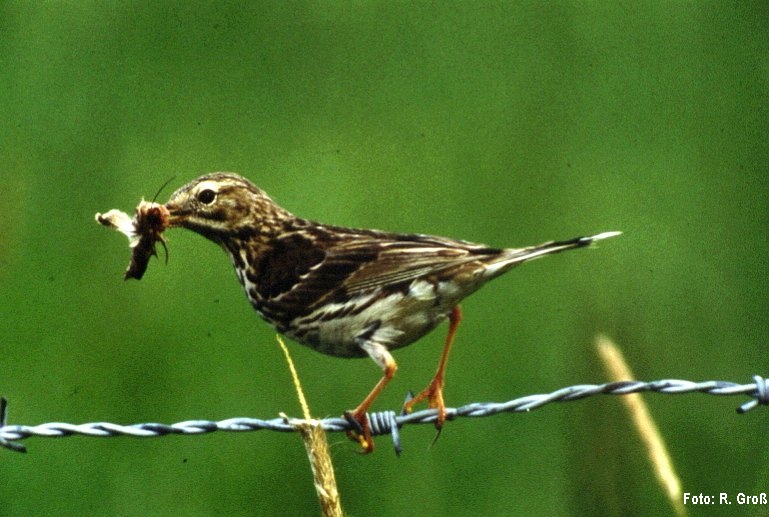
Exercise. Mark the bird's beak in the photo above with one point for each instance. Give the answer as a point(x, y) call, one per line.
point(177, 214)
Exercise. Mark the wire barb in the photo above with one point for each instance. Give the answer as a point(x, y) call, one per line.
point(385, 422)
point(3, 416)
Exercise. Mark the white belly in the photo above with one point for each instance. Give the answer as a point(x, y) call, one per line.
point(393, 321)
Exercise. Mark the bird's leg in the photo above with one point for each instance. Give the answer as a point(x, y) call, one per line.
point(383, 358)
point(434, 391)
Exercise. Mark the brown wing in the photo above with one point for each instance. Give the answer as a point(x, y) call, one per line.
point(305, 270)
point(401, 261)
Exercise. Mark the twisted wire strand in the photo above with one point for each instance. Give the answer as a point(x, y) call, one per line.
point(384, 422)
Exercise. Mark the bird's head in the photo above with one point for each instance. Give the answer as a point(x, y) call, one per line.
point(225, 205)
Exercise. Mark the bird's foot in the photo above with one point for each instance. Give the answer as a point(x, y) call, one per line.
point(360, 431)
point(434, 395)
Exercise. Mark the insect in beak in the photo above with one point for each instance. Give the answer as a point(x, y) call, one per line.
point(144, 231)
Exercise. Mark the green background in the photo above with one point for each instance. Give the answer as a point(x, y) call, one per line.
point(498, 122)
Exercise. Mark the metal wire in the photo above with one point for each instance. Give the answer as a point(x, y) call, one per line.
point(384, 422)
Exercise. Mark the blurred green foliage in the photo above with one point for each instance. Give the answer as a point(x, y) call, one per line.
point(508, 123)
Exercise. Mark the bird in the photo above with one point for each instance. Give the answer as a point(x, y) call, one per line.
point(346, 292)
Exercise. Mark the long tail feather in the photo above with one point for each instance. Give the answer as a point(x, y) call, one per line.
point(521, 255)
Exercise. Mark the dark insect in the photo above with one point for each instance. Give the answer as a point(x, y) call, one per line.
point(144, 231)
point(150, 221)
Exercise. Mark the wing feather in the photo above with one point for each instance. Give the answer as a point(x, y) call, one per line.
point(357, 261)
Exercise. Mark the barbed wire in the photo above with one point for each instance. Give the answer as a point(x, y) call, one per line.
point(383, 422)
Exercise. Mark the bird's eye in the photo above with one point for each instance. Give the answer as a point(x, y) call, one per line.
point(206, 196)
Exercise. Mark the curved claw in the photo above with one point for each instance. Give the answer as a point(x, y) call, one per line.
point(434, 395)
point(360, 431)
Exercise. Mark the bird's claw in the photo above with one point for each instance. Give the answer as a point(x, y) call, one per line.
point(434, 395)
point(360, 431)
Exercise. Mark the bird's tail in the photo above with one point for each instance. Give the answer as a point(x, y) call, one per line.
point(518, 256)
